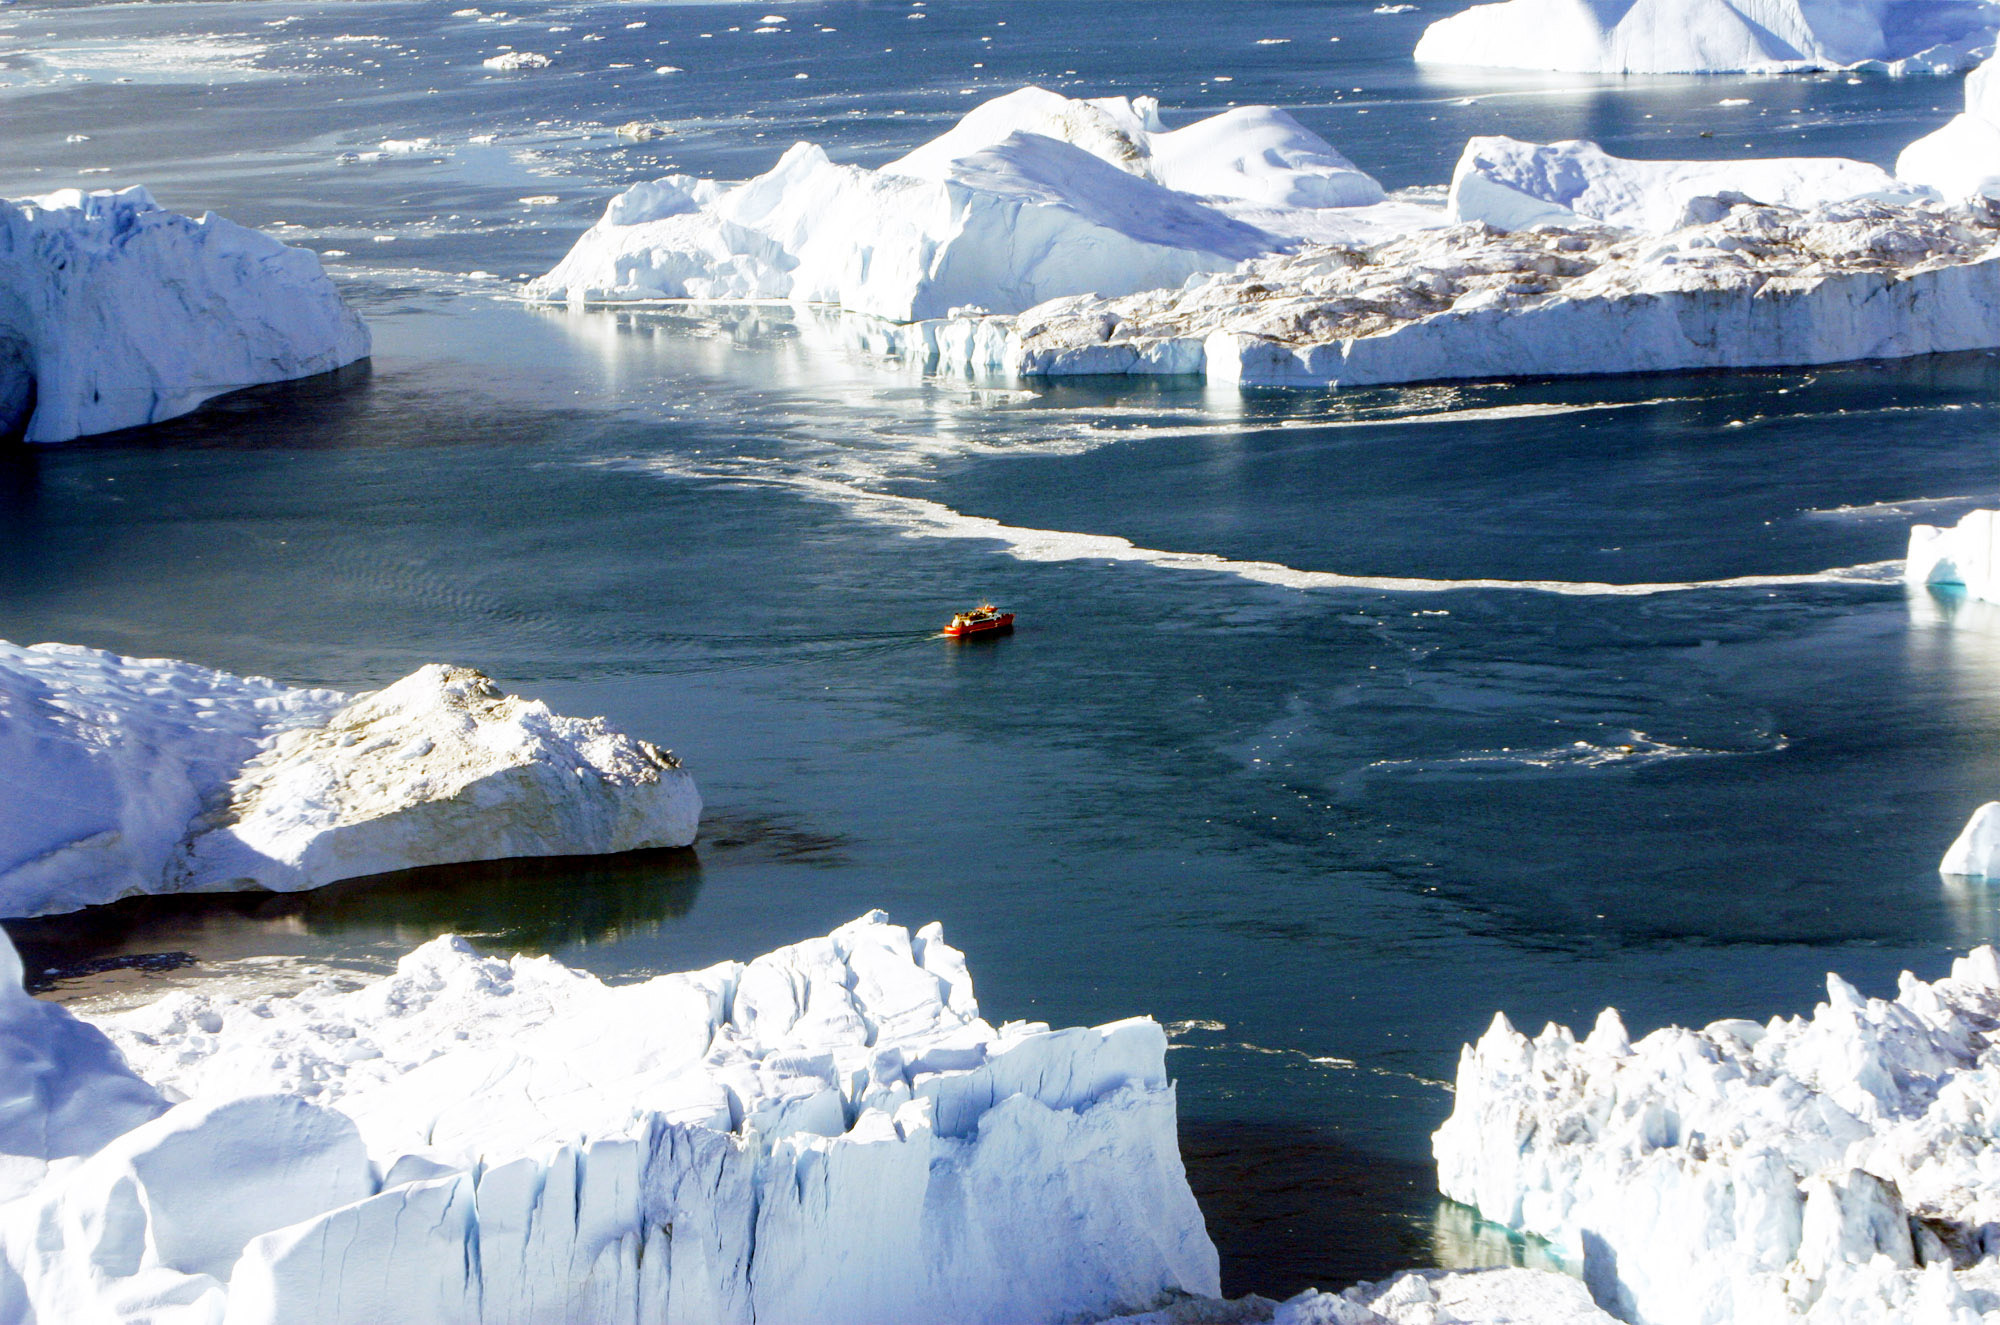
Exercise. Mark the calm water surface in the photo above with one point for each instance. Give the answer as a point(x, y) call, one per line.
point(1325, 831)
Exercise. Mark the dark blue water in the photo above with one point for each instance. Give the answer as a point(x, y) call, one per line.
point(1330, 829)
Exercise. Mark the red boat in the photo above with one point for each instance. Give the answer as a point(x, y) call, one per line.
point(985, 619)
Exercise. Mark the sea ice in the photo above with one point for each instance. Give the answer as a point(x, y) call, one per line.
point(121, 776)
point(829, 1133)
point(1836, 1168)
point(1510, 185)
point(1754, 285)
point(116, 312)
point(1962, 160)
point(1031, 196)
point(1714, 36)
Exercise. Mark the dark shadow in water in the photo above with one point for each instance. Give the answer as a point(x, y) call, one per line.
point(1291, 1208)
point(527, 905)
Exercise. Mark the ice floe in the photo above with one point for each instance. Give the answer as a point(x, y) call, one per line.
point(829, 1133)
point(116, 312)
point(1832, 1168)
point(1031, 196)
point(123, 776)
point(1754, 286)
point(1962, 160)
point(1714, 36)
point(1511, 185)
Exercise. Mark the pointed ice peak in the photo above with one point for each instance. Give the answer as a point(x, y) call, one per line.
point(1609, 1036)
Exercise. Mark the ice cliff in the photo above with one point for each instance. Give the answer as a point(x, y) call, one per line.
point(1714, 36)
point(1755, 285)
point(115, 312)
point(124, 775)
point(829, 1133)
point(1032, 195)
point(1511, 185)
point(1835, 1168)
point(1962, 160)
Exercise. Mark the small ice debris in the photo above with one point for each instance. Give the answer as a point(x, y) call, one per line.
point(1734, 101)
point(632, 26)
point(1274, 41)
point(481, 138)
point(669, 69)
point(1395, 9)
point(77, 138)
point(540, 200)
point(801, 75)
point(642, 131)
point(408, 146)
point(774, 18)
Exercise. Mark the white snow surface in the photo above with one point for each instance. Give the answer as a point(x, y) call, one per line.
point(1032, 195)
point(1962, 159)
point(829, 1133)
point(121, 776)
point(116, 312)
point(1836, 1168)
point(1510, 185)
point(1714, 36)
point(1754, 286)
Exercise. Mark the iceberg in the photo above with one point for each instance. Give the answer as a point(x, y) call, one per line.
point(116, 312)
point(1754, 286)
point(828, 1133)
point(1511, 185)
point(1031, 196)
point(1962, 160)
point(123, 776)
point(1837, 1167)
point(1714, 36)
point(1966, 554)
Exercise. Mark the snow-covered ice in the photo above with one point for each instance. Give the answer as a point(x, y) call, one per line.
point(1714, 36)
point(1962, 160)
point(1031, 196)
point(1510, 185)
point(1754, 286)
point(829, 1133)
point(121, 776)
point(1840, 1167)
point(116, 312)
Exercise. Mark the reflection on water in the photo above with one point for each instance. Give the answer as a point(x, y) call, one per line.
point(507, 906)
point(1461, 1240)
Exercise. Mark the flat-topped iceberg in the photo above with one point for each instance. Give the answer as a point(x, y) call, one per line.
point(829, 1133)
point(1511, 185)
point(1962, 160)
point(1757, 286)
point(1840, 1167)
point(1030, 196)
point(121, 776)
point(116, 312)
point(1714, 36)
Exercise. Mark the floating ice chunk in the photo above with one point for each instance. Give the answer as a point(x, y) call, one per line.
point(1831, 1168)
point(122, 776)
point(1510, 184)
point(827, 1133)
point(1713, 36)
point(1031, 196)
point(518, 60)
point(115, 312)
point(1415, 1297)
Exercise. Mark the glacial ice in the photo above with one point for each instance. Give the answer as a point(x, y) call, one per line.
point(828, 1133)
point(1756, 285)
point(1714, 36)
point(116, 312)
point(1414, 1297)
point(1962, 160)
point(1511, 185)
point(124, 776)
point(1031, 196)
point(1835, 1168)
